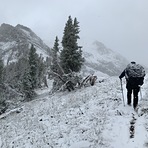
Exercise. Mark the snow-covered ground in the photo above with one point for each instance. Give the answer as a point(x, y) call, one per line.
point(91, 117)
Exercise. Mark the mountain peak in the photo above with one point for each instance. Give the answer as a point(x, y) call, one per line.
point(104, 59)
point(15, 42)
point(101, 48)
point(21, 27)
point(99, 44)
point(4, 25)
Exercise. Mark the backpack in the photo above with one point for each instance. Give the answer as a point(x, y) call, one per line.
point(134, 70)
point(135, 73)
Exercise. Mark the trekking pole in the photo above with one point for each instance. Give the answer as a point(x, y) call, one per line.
point(140, 93)
point(122, 92)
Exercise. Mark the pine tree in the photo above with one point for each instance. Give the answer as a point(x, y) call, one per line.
point(2, 93)
point(33, 57)
point(76, 29)
point(55, 66)
point(54, 62)
point(41, 70)
point(20, 68)
point(56, 45)
point(67, 41)
point(27, 86)
point(79, 60)
point(71, 55)
point(1, 71)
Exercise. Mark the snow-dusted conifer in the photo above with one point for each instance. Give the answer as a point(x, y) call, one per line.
point(78, 53)
point(41, 70)
point(71, 55)
point(54, 62)
point(1, 71)
point(55, 66)
point(27, 86)
point(2, 93)
point(33, 57)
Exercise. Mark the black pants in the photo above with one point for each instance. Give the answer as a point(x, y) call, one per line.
point(135, 92)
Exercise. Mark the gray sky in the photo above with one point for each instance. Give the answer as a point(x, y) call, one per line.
point(121, 25)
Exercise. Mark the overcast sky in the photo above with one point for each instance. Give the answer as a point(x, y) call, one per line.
point(122, 25)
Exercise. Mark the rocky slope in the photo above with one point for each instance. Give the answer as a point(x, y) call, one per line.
point(99, 57)
point(16, 42)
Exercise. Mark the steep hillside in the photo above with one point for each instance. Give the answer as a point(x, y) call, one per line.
point(99, 57)
point(92, 117)
point(16, 42)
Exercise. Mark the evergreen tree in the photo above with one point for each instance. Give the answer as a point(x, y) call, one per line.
point(78, 54)
point(33, 58)
point(20, 68)
point(41, 70)
point(14, 73)
point(2, 93)
point(55, 66)
point(67, 41)
point(76, 29)
point(1, 71)
point(54, 62)
point(71, 55)
point(56, 45)
point(27, 86)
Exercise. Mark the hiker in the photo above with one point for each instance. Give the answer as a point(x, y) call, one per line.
point(134, 74)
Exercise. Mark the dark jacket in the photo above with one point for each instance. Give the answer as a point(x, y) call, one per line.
point(132, 82)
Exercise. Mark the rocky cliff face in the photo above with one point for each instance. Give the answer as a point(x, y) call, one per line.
point(15, 42)
point(101, 58)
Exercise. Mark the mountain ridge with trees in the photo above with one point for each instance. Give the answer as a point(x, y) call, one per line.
point(28, 62)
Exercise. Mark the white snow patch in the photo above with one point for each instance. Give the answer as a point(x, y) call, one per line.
point(6, 45)
point(27, 33)
point(81, 144)
point(91, 117)
point(41, 52)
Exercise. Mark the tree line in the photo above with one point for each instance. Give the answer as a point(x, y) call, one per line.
point(27, 74)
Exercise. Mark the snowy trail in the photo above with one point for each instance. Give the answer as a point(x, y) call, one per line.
point(92, 117)
point(120, 131)
point(140, 133)
point(121, 124)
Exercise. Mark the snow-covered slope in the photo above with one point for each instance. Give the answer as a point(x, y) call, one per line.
point(101, 58)
point(16, 42)
point(91, 117)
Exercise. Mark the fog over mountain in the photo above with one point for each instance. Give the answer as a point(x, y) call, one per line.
point(16, 41)
point(104, 59)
